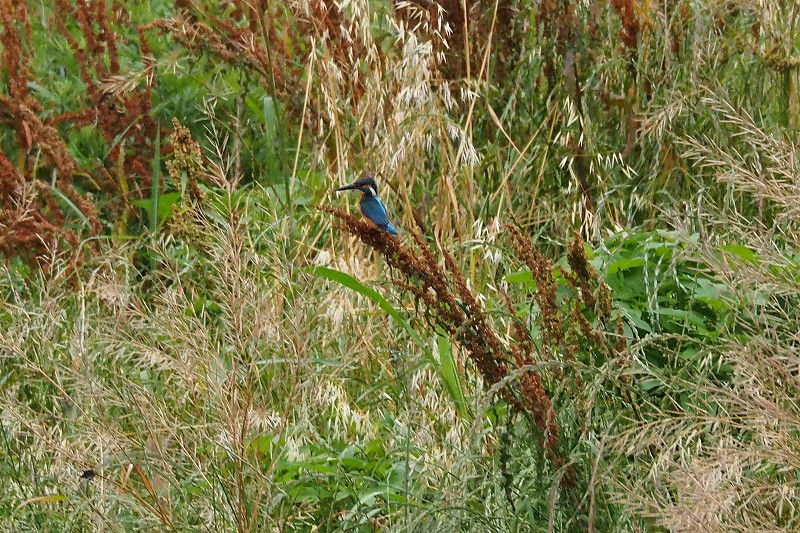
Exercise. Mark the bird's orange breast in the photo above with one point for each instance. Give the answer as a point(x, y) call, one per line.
point(369, 221)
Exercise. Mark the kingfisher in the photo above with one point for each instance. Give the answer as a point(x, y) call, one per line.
point(372, 208)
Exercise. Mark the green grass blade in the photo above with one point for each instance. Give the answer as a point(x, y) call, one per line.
point(450, 376)
point(156, 184)
point(352, 283)
point(446, 363)
point(69, 203)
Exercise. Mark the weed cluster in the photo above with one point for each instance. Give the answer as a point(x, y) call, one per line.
point(585, 326)
point(35, 216)
point(646, 377)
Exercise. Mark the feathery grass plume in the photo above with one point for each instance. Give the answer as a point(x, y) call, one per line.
point(462, 30)
point(164, 394)
point(206, 393)
point(723, 453)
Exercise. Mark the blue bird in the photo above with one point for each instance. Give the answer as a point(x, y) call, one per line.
point(371, 207)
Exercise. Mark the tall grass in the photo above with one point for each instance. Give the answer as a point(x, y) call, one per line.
point(206, 378)
point(722, 455)
point(189, 391)
point(228, 388)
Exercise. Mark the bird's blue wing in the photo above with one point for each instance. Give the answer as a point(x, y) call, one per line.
point(373, 209)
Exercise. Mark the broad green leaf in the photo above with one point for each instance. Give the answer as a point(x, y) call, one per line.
point(742, 252)
point(649, 384)
point(710, 292)
point(352, 283)
point(353, 463)
point(624, 264)
point(691, 353)
point(523, 276)
point(450, 375)
point(323, 468)
point(692, 317)
point(634, 316)
point(304, 493)
point(165, 205)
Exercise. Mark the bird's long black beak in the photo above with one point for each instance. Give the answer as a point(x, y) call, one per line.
point(350, 187)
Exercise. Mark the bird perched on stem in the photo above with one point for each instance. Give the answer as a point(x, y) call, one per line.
point(371, 207)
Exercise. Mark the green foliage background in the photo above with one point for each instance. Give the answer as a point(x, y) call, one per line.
point(187, 344)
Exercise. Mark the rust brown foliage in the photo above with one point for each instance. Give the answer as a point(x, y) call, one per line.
point(630, 24)
point(124, 118)
point(16, 64)
point(582, 325)
point(541, 269)
point(31, 219)
point(589, 317)
point(452, 306)
point(29, 222)
point(449, 302)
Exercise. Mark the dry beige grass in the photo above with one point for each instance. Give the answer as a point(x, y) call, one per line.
point(168, 403)
point(729, 462)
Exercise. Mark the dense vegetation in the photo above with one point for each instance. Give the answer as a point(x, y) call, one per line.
point(589, 321)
